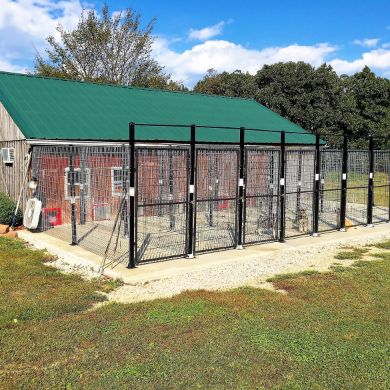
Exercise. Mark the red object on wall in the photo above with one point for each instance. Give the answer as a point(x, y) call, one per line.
point(53, 215)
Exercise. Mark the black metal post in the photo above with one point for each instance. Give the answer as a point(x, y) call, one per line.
point(72, 196)
point(270, 192)
point(282, 190)
point(171, 216)
point(191, 197)
point(132, 254)
point(210, 186)
point(299, 188)
point(241, 185)
point(317, 182)
point(344, 173)
point(370, 200)
point(160, 183)
point(125, 215)
point(83, 185)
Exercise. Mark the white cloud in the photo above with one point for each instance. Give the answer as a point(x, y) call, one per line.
point(7, 66)
point(378, 60)
point(208, 32)
point(25, 24)
point(191, 64)
point(367, 42)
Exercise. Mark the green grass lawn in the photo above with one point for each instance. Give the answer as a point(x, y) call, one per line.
point(357, 194)
point(330, 331)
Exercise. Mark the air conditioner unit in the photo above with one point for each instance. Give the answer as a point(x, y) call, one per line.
point(32, 213)
point(8, 155)
point(101, 212)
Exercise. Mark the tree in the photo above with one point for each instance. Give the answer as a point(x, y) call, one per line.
point(235, 84)
point(372, 97)
point(317, 99)
point(305, 95)
point(112, 48)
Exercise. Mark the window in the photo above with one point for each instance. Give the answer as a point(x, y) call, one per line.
point(79, 183)
point(117, 177)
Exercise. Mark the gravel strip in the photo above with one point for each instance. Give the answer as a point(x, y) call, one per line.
point(253, 272)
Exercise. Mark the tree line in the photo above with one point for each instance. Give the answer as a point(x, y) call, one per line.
point(114, 48)
point(317, 99)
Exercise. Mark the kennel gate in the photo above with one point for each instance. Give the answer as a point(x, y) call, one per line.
point(203, 197)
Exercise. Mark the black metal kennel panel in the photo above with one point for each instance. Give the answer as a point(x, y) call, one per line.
point(330, 190)
point(357, 186)
point(216, 198)
point(82, 189)
point(299, 192)
point(161, 202)
point(381, 192)
point(261, 195)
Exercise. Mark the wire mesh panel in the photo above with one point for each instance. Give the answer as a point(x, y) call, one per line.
point(330, 190)
point(92, 179)
point(162, 185)
point(299, 191)
point(381, 186)
point(357, 187)
point(261, 200)
point(216, 198)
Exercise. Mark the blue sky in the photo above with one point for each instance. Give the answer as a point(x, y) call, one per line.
point(193, 36)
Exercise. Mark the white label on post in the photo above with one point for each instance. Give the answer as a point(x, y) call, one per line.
point(131, 191)
point(371, 175)
point(73, 200)
point(344, 176)
point(282, 181)
point(317, 177)
point(241, 183)
point(192, 188)
point(299, 184)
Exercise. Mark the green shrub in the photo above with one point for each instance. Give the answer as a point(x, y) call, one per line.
point(7, 209)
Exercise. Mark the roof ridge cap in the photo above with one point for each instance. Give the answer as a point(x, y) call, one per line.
point(125, 86)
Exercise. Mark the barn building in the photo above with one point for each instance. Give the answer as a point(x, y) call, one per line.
point(208, 172)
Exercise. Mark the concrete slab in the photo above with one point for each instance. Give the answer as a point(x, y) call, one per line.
point(87, 262)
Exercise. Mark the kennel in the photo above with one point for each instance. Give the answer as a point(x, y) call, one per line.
point(160, 187)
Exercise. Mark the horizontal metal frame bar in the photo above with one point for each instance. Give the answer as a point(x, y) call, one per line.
point(299, 234)
point(261, 196)
point(357, 188)
point(218, 249)
point(161, 258)
point(220, 143)
point(221, 128)
point(299, 192)
point(248, 243)
point(214, 199)
point(139, 205)
point(330, 189)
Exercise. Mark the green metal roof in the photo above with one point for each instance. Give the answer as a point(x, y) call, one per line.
point(57, 109)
